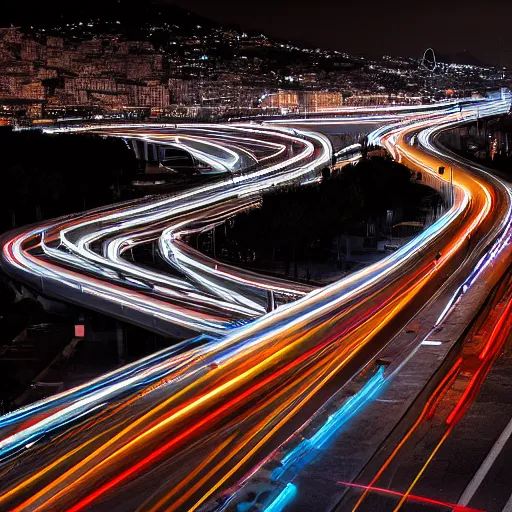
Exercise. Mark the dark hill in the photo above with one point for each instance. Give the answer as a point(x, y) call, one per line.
point(129, 13)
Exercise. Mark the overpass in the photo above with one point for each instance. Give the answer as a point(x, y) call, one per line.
point(185, 425)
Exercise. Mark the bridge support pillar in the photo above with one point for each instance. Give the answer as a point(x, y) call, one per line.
point(271, 301)
point(135, 148)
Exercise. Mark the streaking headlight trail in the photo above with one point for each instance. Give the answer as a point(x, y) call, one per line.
point(172, 431)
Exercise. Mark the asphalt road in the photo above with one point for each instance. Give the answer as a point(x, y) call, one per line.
point(180, 428)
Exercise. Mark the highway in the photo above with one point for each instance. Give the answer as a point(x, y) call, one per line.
point(456, 302)
point(174, 430)
point(172, 306)
point(435, 429)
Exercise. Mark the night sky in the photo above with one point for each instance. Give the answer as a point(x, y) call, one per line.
point(374, 27)
point(366, 27)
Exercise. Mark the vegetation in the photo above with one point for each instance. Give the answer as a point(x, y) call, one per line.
point(47, 175)
point(304, 222)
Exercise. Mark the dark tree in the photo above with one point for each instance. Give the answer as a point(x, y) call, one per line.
point(45, 175)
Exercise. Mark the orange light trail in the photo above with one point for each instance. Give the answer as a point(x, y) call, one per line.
point(412, 497)
point(259, 380)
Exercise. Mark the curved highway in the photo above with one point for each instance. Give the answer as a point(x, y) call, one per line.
point(172, 431)
point(59, 258)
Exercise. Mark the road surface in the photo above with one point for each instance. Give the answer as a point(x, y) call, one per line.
point(176, 429)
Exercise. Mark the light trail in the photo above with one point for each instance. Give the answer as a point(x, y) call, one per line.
point(473, 377)
point(412, 497)
point(204, 417)
point(502, 233)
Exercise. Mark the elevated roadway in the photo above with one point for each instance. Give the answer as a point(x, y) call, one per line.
point(172, 431)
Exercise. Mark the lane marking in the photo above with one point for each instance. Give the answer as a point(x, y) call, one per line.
point(488, 462)
point(508, 505)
